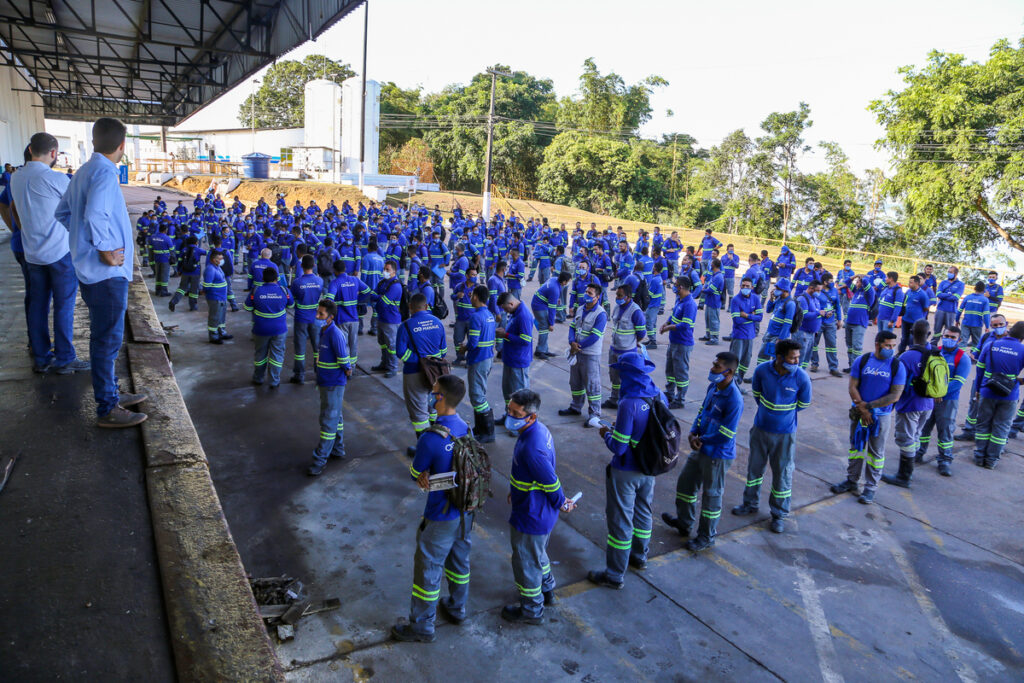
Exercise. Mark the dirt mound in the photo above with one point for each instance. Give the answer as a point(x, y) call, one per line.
point(250, 191)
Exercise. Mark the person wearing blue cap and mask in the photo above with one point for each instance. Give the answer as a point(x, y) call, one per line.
point(876, 383)
point(786, 263)
point(713, 442)
point(629, 491)
point(782, 389)
point(943, 417)
point(997, 384)
point(783, 309)
point(857, 317)
point(999, 328)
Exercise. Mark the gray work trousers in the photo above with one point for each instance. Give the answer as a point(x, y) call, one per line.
point(994, 419)
point(440, 547)
point(874, 454)
point(909, 427)
point(512, 380)
point(189, 284)
point(942, 320)
point(677, 371)
point(705, 474)
point(628, 508)
point(268, 354)
point(303, 334)
point(387, 333)
point(743, 348)
point(531, 570)
point(943, 421)
point(417, 401)
point(215, 325)
point(476, 378)
point(351, 332)
point(585, 383)
point(332, 425)
point(778, 451)
point(854, 342)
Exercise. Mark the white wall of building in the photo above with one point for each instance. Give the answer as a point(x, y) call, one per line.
point(234, 144)
point(351, 100)
point(21, 116)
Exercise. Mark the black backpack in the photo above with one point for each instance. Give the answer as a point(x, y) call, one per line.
point(275, 254)
point(440, 308)
point(658, 448)
point(642, 295)
point(798, 317)
point(403, 301)
point(189, 262)
point(325, 264)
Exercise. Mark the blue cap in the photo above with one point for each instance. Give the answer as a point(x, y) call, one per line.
point(633, 362)
point(783, 284)
point(878, 262)
point(785, 248)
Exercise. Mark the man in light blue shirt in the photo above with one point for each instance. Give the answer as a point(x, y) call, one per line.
point(103, 252)
point(36, 190)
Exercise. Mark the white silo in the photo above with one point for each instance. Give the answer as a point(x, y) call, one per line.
point(322, 120)
point(350, 128)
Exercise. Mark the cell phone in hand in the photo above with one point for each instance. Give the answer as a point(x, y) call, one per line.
point(605, 423)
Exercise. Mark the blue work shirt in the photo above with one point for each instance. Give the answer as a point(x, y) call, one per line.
point(434, 455)
point(422, 332)
point(480, 340)
point(916, 305)
point(332, 358)
point(779, 397)
point(1004, 356)
point(94, 212)
point(534, 487)
point(717, 421)
point(876, 378)
point(306, 290)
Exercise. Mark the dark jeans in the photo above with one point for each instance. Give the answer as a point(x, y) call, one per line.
point(56, 280)
point(107, 302)
point(20, 258)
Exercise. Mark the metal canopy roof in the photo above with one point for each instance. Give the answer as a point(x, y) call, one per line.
point(150, 61)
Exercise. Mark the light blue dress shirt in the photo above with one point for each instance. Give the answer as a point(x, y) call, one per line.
point(36, 190)
point(95, 214)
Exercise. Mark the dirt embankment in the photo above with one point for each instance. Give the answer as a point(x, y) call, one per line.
point(250, 191)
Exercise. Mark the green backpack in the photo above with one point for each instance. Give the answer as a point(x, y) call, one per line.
point(932, 379)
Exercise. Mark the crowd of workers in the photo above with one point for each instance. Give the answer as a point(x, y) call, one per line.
point(399, 273)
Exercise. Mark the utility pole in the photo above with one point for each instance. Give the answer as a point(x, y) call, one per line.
point(362, 109)
point(490, 141)
point(253, 116)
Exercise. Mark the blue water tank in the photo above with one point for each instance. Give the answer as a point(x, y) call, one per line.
point(256, 165)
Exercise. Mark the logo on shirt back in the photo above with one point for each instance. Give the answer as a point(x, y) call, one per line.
point(878, 372)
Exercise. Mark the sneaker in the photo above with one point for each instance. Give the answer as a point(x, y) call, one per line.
point(297, 380)
point(601, 579)
point(569, 411)
point(673, 521)
point(676, 404)
point(594, 422)
point(777, 526)
point(845, 486)
point(119, 418)
point(744, 510)
point(835, 373)
point(126, 400)
point(944, 469)
point(964, 436)
point(514, 613)
point(867, 497)
point(610, 404)
point(404, 633)
point(315, 470)
point(42, 369)
point(72, 367)
point(638, 563)
point(699, 544)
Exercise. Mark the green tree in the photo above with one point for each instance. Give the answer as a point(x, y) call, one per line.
point(604, 175)
point(830, 202)
point(606, 104)
point(956, 134)
point(457, 134)
point(783, 142)
point(280, 99)
point(398, 110)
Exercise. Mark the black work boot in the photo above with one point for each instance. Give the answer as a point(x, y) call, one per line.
point(488, 427)
point(903, 475)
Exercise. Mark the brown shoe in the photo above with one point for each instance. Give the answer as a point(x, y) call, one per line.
point(119, 418)
point(128, 400)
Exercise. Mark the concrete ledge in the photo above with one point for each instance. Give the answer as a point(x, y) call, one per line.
point(217, 633)
point(214, 621)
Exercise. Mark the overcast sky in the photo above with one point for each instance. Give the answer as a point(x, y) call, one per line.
point(728, 64)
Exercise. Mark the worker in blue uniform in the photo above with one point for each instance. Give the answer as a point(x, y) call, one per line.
point(333, 368)
point(268, 304)
point(306, 289)
point(215, 287)
point(443, 538)
point(629, 491)
point(712, 441)
point(943, 417)
point(781, 389)
point(479, 353)
point(536, 496)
